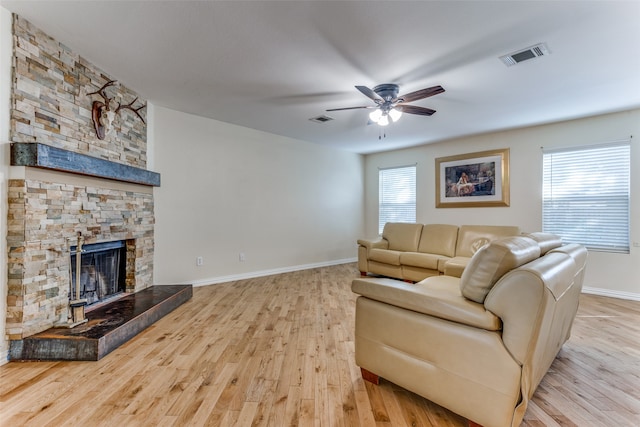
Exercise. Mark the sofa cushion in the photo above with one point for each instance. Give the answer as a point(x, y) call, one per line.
point(402, 236)
point(455, 266)
point(417, 259)
point(494, 260)
point(414, 274)
point(439, 239)
point(546, 241)
point(385, 256)
point(473, 237)
point(437, 296)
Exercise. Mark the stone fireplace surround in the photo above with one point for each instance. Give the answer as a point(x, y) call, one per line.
point(46, 211)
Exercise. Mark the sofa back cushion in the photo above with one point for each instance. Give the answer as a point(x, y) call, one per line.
point(402, 236)
point(473, 237)
point(493, 261)
point(546, 241)
point(439, 239)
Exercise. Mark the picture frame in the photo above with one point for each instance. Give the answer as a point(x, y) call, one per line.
point(473, 180)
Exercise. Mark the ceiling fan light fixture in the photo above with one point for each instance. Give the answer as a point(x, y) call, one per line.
point(389, 104)
point(395, 114)
point(375, 115)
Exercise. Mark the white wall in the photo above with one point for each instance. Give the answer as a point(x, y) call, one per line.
point(286, 204)
point(607, 274)
point(5, 96)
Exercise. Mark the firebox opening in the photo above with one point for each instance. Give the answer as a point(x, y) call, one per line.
point(102, 271)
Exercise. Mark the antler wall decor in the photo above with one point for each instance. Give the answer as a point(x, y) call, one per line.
point(103, 113)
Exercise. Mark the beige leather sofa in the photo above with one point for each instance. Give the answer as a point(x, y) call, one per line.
point(479, 344)
point(412, 252)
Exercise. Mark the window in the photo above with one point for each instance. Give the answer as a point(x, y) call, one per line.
point(585, 196)
point(397, 195)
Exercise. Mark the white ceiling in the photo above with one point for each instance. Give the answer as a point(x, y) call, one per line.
point(272, 65)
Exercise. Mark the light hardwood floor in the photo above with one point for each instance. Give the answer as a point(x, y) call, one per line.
point(278, 351)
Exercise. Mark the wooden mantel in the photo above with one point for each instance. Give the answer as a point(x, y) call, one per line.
point(43, 156)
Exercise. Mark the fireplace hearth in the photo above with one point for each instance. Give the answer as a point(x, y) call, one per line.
point(108, 326)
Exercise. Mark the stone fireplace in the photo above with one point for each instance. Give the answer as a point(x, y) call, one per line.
point(69, 181)
point(46, 213)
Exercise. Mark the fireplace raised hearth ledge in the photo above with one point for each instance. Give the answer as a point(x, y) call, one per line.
point(108, 326)
point(35, 154)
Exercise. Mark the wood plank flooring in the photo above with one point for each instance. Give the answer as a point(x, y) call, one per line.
point(278, 351)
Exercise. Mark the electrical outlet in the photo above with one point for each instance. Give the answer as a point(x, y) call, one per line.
point(199, 261)
point(241, 257)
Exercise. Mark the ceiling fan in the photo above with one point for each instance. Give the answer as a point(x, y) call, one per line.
point(389, 104)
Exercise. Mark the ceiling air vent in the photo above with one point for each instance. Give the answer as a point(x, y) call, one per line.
point(321, 119)
point(540, 49)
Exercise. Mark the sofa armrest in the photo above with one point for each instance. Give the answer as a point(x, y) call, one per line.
point(523, 299)
point(364, 250)
point(516, 299)
point(374, 244)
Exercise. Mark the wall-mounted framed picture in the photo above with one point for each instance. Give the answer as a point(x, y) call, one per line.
point(473, 180)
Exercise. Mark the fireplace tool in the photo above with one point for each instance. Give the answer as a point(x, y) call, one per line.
point(77, 305)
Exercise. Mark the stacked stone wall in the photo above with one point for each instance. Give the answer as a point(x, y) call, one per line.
point(51, 105)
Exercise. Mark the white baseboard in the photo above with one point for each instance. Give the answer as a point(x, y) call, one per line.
point(261, 273)
point(613, 294)
point(4, 357)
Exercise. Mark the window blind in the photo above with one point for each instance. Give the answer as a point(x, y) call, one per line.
point(586, 195)
point(397, 195)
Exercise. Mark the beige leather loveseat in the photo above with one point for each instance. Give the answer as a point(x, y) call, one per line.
point(479, 344)
point(413, 252)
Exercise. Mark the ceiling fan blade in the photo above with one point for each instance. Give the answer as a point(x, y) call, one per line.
point(421, 94)
point(370, 94)
point(347, 108)
point(414, 109)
